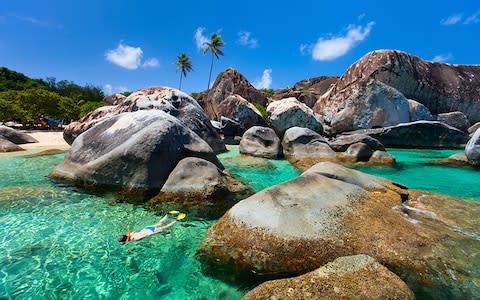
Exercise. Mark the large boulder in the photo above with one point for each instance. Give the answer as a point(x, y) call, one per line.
point(133, 152)
point(358, 152)
point(472, 150)
point(261, 142)
point(290, 112)
point(342, 142)
point(418, 111)
point(455, 119)
point(369, 104)
point(230, 127)
point(331, 211)
point(307, 91)
point(237, 108)
point(229, 82)
point(197, 182)
point(15, 136)
point(169, 100)
point(7, 146)
point(379, 157)
point(473, 128)
point(304, 147)
point(440, 87)
point(419, 134)
point(351, 277)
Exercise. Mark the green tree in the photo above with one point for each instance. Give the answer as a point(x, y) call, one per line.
point(184, 65)
point(214, 46)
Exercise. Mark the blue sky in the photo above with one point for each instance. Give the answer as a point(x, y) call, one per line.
point(119, 44)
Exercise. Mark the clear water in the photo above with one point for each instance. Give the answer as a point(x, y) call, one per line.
point(57, 241)
point(415, 171)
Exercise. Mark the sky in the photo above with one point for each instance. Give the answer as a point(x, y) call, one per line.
point(124, 45)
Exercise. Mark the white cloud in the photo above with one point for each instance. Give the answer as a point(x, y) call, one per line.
point(332, 48)
point(200, 39)
point(266, 81)
point(361, 16)
point(452, 20)
point(109, 89)
point(473, 19)
point(245, 39)
point(151, 63)
point(443, 57)
point(125, 56)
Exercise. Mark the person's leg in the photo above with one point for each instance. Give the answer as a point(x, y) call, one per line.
point(162, 228)
point(161, 220)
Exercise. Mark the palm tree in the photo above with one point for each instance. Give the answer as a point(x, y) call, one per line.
point(184, 65)
point(214, 46)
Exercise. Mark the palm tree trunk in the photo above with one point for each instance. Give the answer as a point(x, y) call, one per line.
point(180, 85)
point(210, 75)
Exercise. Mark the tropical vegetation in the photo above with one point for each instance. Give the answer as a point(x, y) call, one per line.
point(184, 65)
point(214, 46)
point(24, 99)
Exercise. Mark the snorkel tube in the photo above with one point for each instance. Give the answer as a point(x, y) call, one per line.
point(129, 233)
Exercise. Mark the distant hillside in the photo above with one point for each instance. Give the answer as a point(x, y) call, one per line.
point(24, 99)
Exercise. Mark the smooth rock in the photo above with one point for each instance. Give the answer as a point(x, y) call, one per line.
point(15, 136)
point(455, 119)
point(418, 111)
point(114, 99)
point(472, 149)
point(350, 277)
point(7, 146)
point(197, 182)
point(169, 100)
point(229, 82)
point(419, 134)
point(237, 108)
point(440, 87)
point(303, 148)
point(358, 152)
point(342, 142)
point(261, 142)
point(231, 127)
point(368, 105)
point(473, 128)
point(457, 159)
point(381, 158)
point(133, 152)
point(290, 112)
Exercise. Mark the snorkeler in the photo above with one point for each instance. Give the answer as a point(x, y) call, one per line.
point(152, 229)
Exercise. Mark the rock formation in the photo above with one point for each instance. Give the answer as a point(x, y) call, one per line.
point(237, 108)
point(169, 100)
point(472, 150)
point(261, 142)
point(133, 152)
point(10, 138)
point(287, 113)
point(385, 77)
point(229, 82)
point(307, 91)
point(114, 99)
point(418, 111)
point(351, 277)
point(455, 119)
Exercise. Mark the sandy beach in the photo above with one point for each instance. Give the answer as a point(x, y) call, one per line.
point(47, 140)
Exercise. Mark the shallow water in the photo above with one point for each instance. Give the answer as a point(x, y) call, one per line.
point(57, 241)
point(414, 170)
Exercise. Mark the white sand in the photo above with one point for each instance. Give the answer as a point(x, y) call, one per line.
point(47, 140)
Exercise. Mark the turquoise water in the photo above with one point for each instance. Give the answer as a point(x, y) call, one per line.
point(414, 170)
point(57, 241)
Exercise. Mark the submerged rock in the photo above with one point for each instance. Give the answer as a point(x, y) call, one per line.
point(15, 136)
point(290, 112)
point(419, 134)
point(133, 152)
point(261, 142)
point(197, 182)
point(455, 119)
point(351, 277)
point(331, 211)
point(169, 100)
point(381, 158)
point(458, 159)
point(472, 150)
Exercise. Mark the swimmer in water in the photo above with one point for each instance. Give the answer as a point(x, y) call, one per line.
point(152, 229)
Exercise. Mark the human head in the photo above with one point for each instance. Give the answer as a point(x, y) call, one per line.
point(123, 239)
